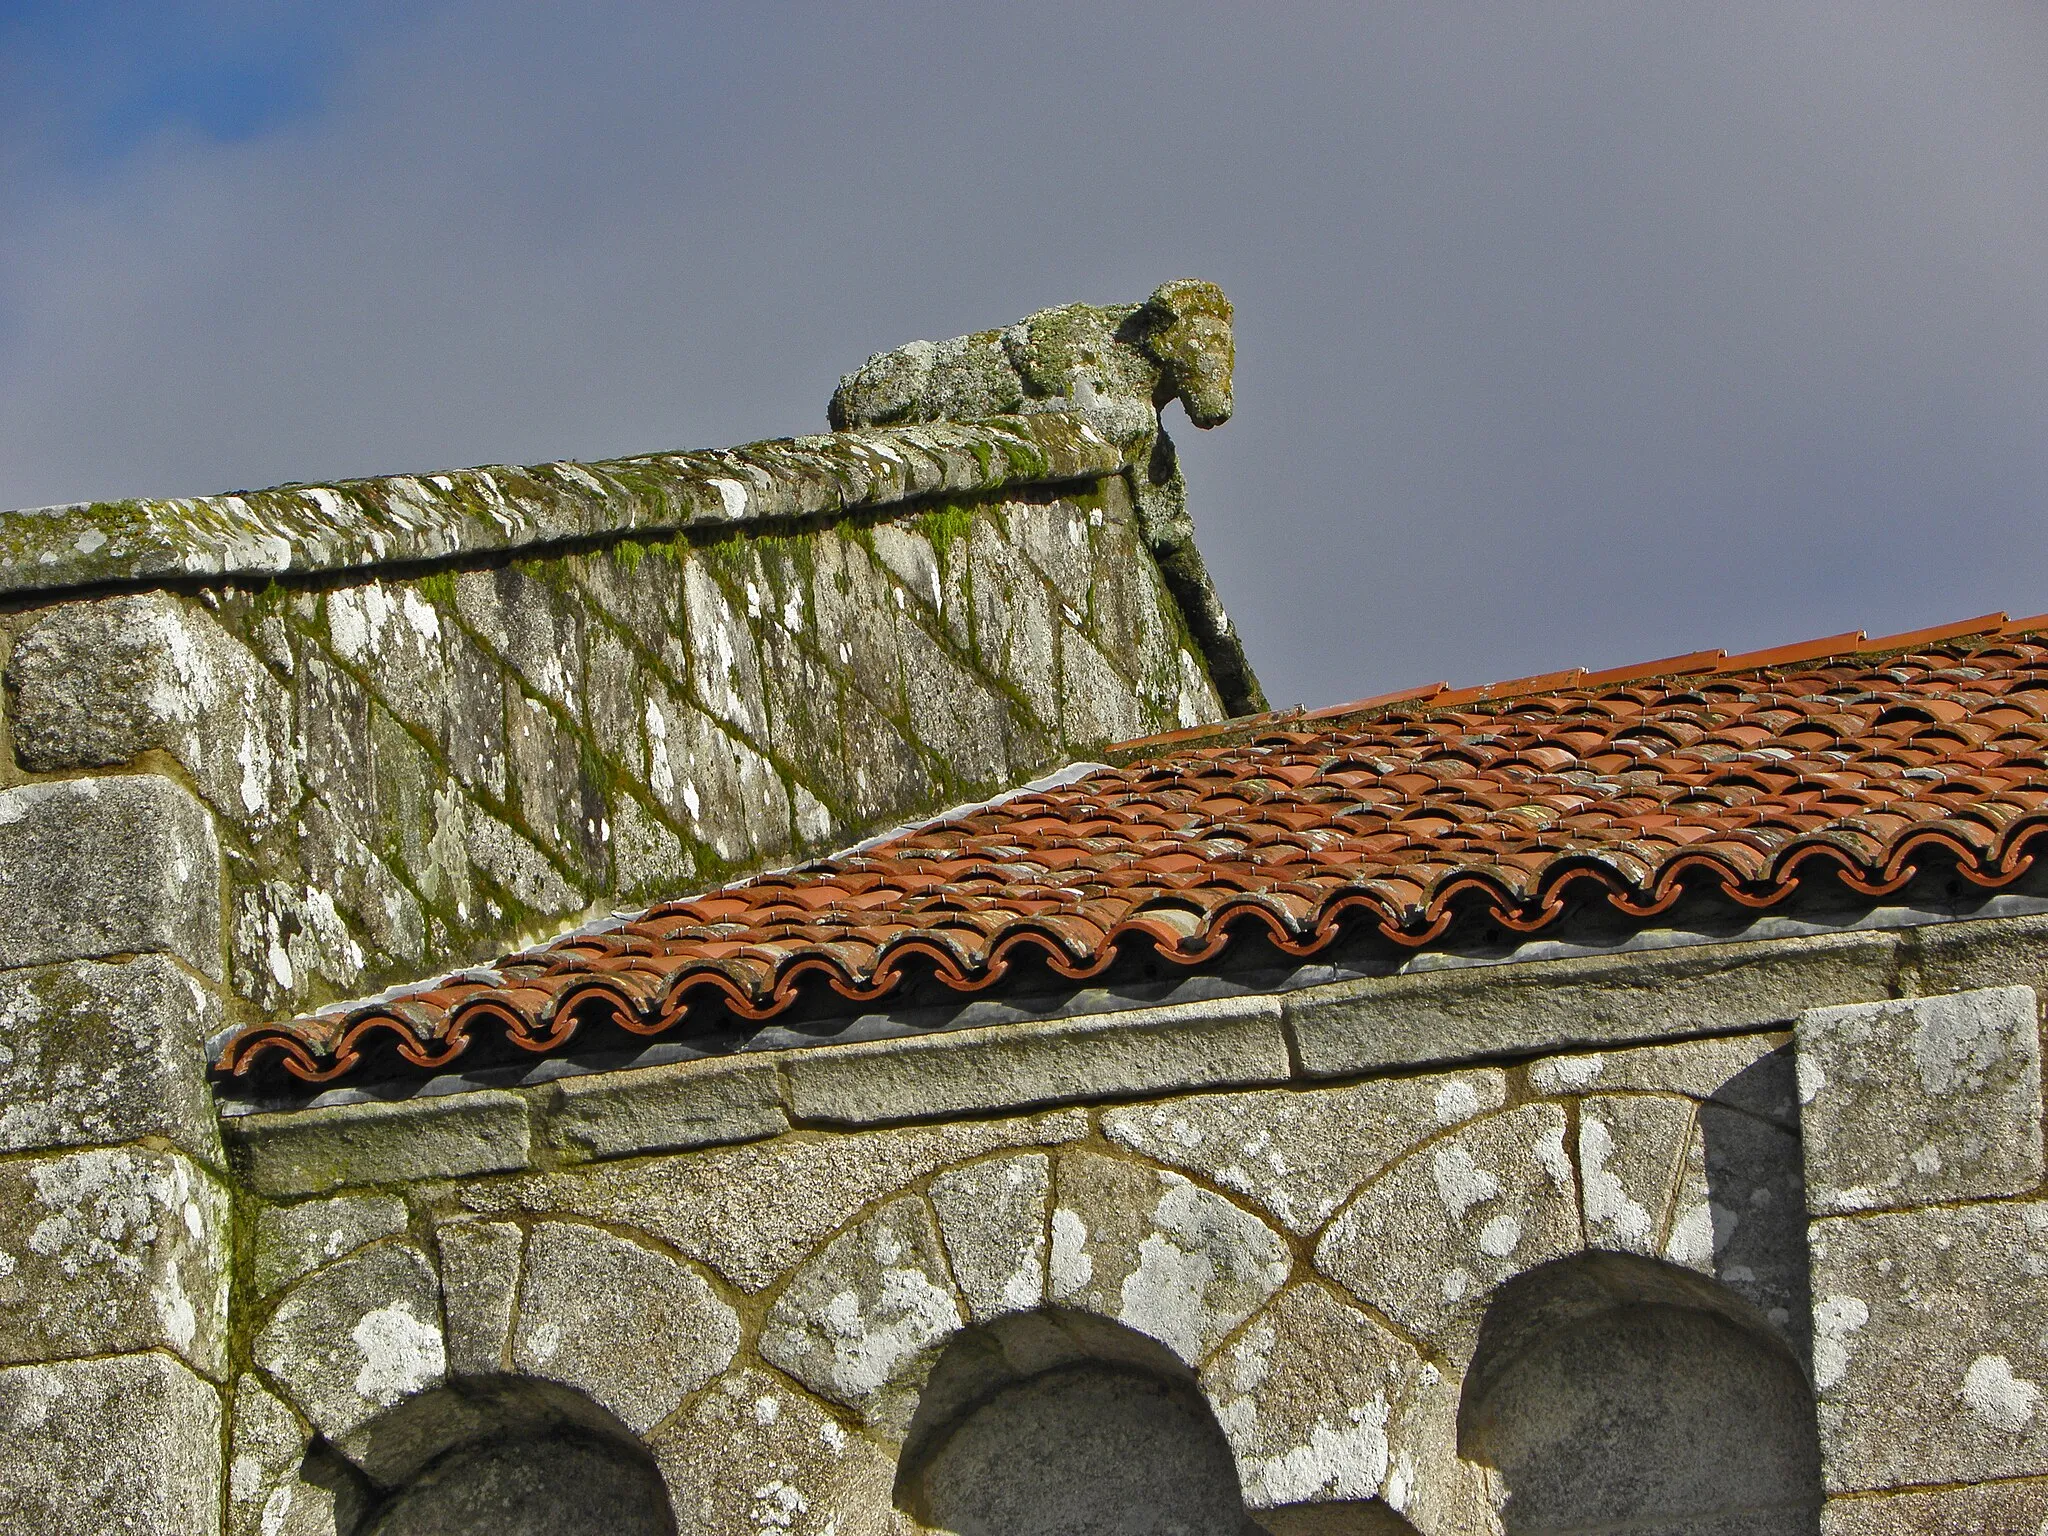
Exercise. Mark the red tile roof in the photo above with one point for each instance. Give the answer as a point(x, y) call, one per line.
point(1750, 775)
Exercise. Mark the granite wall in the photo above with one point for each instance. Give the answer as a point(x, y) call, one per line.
point(806, 1285)
point(270, 750)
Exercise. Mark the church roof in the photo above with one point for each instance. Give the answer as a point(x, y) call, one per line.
point(1846, 759)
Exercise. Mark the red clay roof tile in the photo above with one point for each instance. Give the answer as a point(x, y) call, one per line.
point(1752, 778)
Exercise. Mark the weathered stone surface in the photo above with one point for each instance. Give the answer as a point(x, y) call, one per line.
point(632, 1328)
point(1304, 1394)
point(408, 518)
point(294, 1239)
point(97, 684)
point(267, 1495)
point(1631, 1147)
point(665, 1109)
point(1648, 1419)
point(754, 1456)
point(1927, 1099)
point(1752, 1072)
point(479, 1292)
point(1432, 1487)
point(111, 1250)
point(1087, 1451)
point(1990, 1509)
point(93, 1053)
point(1007, 1066)
point(111, 866)
point(1928, 1348)
point(1559, 1005)
point(993, 1218)
point(862, 1317)
point(1300, 1154)
point(1426, 1242)
point(1740, 1215)
point(356, 1337)
point(311, 1151)
point(130, 1444)
point(546, 1485)
point(1158, 1253)
point(751, 1212)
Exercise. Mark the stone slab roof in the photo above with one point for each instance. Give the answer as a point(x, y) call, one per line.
point(1846, 759)
point(398, 520)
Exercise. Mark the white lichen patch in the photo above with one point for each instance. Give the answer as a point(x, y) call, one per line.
point(112, 1249)
point(1837, 1319)
point(871, 1303)
point(1997, 1396)
point(401, 1355)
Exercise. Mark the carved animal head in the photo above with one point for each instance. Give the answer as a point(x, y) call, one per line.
point(1189, 335)
point(1117, 364)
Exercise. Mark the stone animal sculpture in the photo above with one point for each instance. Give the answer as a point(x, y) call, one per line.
point(1117, 366)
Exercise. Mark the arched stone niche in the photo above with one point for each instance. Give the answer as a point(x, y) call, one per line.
point(1061, 1423)
point(1615, 1393)
point(498, 1456)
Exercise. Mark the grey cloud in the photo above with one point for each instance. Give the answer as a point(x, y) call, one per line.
point(1567, 333)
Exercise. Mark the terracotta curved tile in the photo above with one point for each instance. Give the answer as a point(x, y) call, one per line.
point(1773, 770)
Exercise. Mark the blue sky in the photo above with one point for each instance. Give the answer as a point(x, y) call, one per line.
point(1570, 332)
point(94, 82)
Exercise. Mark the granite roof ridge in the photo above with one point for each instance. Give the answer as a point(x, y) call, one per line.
point(411, 519)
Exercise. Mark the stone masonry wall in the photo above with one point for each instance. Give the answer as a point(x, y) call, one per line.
point(410, 772)
point(270, 760)
point(754, 1262)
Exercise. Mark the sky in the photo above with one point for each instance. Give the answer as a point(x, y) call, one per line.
point(1568, 333)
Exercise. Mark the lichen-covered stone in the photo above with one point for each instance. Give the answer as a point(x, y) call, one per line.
point(110, 1250)
point(1158, 1253)
point(751, 1455)
point(993, 1217)
point(110, 866)
point(1928, 1351)
point(1115, 365)
point(479, 1291)
point(93, 1053)
point(312, 1151)
point(409, 518)
point(130, 1444)
point(97, 684)
point(356, 1337)
point(1927, 1099)
point(1300, 1154)
point(1989, 1509)
point(1218, 1042)
point(1747, 1072)
point(752, 1212)
point(1427, 1241)
point(1631, 1147)
point(1304, 1393)
point(666, 1108)
point(862, 1317)
point(630, 1327)
point(1541, 1006)
point(292, 1240)
point(267, 1495)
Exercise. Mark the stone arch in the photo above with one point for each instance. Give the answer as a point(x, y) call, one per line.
point(1613, 1392)
point(1069, 1422)
point(495, 1456)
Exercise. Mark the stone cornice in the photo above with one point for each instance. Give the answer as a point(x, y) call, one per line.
point(399, 520)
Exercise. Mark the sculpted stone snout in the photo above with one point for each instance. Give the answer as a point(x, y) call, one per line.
point(1118, 365)
point(1190, 337)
